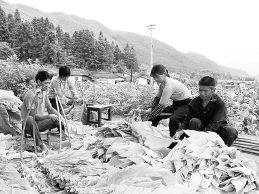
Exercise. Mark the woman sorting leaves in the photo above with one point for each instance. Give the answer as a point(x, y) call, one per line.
point(173, 97)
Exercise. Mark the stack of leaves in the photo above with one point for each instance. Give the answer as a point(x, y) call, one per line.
point(120, 146)
point(203, 160)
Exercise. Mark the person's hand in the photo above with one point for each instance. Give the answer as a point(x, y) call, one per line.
point(177, 135)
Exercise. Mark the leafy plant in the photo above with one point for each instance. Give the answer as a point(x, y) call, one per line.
point(16, 76)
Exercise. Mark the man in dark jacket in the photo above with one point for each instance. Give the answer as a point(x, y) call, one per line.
point(208, 112)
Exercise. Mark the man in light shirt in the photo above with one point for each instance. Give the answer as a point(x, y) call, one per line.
point(58, 86)
point(173, 97)
point(36, 100)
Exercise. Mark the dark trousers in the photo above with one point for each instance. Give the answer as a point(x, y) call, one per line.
point(179, 110)
point(228, 134)
point(43, 125)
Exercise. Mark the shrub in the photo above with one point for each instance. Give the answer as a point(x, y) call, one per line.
point(15, 75)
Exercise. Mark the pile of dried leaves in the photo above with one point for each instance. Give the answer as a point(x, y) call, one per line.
point(203, 160)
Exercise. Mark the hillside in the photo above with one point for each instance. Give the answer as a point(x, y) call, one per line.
point(163, 53)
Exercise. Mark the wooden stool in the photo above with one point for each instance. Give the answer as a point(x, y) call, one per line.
point(99, 109)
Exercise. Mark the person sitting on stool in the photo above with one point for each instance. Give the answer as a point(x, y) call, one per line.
point(173, 97)
point(36, 100)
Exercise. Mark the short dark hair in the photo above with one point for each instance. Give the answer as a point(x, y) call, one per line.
point(64, 71)
point(159, 70)
point(207, 81)
point(42, 76)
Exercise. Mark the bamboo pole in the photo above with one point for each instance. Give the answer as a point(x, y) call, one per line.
point(59, 121)
point(34, 128)
point(63, 112)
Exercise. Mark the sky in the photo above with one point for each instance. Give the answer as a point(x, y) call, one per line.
point(225, 31)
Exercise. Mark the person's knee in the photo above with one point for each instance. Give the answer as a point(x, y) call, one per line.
point(195, 124)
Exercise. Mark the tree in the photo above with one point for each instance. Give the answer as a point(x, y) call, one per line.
point(130, 59)
point(118, 55)
point(103, 52)
point(41, 31)
point(4, 34)
point(109, 52)
point(100, 51)
point(23, 41)
point(59, 35)
point(52, 52)
point(17, 17)
point(83, 47)
point(66, 42)
point(37, 44)
point(11, 28)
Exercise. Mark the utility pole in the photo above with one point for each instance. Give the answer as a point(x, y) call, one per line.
point(151, 27)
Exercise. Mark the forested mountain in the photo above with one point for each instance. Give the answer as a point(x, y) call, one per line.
point(163, 53)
